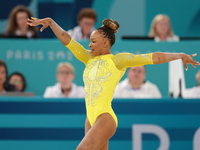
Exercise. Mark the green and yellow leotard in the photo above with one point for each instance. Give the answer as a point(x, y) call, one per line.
point(101, 75)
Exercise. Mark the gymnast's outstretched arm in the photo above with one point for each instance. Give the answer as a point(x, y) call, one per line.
point(159, 58)
point(78, 50)
point(62, 35)
point(125, 60)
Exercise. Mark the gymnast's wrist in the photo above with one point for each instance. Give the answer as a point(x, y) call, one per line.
point(50, 21)
point(181, 55)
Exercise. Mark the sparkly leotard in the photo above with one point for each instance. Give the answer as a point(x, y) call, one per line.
point(101, 75)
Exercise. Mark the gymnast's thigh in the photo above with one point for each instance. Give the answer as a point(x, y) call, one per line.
point(105, 147)
point(87, 125)
point(87, 128)
point(99, 134)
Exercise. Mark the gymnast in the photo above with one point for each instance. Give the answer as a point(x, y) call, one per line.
point(103, 70)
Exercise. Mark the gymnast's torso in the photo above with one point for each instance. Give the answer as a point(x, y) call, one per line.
point(101, 75)
point(100, 78)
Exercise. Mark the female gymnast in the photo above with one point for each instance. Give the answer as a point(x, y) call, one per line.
point(102, 73)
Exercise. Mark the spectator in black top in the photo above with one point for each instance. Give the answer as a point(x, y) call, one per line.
point(18, 80)
point(17, 26)
point(4, 86)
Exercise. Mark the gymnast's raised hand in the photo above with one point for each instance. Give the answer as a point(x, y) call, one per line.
point(62, 35)
point(187, 59)
point(35, 22)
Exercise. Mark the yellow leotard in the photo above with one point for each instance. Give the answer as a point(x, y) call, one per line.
point(101, 75)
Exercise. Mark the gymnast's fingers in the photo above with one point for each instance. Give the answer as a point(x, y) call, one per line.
point(34, 22)
point(31, 23)
point(186, 67)
point(193, 55)
point(34, 18)
point(194, 65)
point(30, 20)
point(43, 27)
point(195, 62)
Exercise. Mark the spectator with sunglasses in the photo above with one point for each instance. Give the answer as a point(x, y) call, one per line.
point(65, 86)
point(18, 80)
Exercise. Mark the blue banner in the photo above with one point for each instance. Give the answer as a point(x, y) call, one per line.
point(38, 59)
point(146, 124)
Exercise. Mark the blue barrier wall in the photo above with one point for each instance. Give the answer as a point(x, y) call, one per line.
point(37, 123)
point(38, 59)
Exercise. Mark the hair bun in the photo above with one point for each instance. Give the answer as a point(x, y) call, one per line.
point(109, 23)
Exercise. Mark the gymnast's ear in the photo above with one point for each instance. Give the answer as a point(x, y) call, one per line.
point(106, 43)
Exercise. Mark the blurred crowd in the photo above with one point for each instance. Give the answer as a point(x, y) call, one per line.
point(160, 30)
point(134, 86)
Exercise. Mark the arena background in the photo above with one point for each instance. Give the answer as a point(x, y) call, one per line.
point(134, 16)
point(37, 123)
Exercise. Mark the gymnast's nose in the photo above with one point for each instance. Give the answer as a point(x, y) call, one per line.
point(90, 45)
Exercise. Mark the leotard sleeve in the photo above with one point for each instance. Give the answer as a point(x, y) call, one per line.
point(79, 51)
point(125, 60)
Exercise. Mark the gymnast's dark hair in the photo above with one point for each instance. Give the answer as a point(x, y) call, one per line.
point(108, 29)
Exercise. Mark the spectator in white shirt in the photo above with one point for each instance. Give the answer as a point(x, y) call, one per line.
point(86, 20)
point(161, 29)
point(135, 85)
point(194, 92)
point(65, 86)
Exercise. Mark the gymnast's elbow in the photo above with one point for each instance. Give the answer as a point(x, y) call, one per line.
point(158, 58)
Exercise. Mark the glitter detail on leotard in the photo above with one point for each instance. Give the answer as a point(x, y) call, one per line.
point(125, 60)
point(93, 78)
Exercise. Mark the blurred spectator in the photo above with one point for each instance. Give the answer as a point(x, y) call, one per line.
point(86, 21)
point(195, 91)
point(161, 29)
point(17, 24)
point(4, 86)
point(18, 80)
point(135, 85)
point(64, 87)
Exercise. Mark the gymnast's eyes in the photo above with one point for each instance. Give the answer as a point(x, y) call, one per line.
point(93, 41)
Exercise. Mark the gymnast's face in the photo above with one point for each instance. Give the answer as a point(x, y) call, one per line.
point(96, 43)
